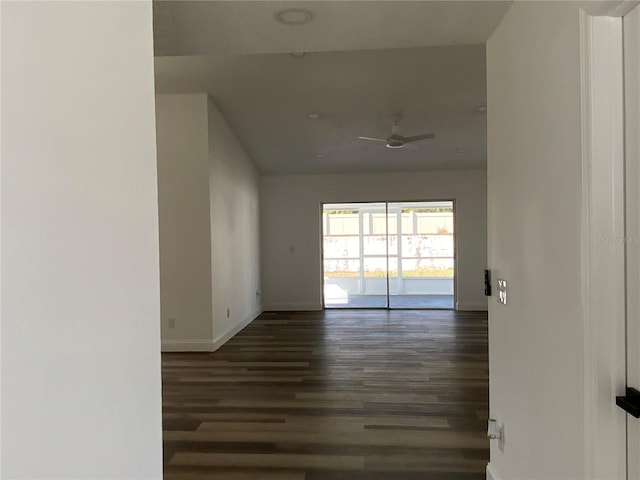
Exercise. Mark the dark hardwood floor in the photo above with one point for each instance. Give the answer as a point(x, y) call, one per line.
point(340, 394)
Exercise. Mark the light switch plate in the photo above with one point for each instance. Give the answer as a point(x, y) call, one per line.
point(502, 291)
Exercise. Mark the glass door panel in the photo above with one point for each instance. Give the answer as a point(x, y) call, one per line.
point(355, 255)
point(425, 247)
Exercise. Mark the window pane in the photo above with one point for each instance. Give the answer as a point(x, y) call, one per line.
point(427, 267)
point(339, 268)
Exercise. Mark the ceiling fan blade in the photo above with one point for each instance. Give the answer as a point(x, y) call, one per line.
point(373, 139)
point(415, 138)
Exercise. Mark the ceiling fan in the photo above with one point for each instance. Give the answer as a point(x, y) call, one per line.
point(396, 139)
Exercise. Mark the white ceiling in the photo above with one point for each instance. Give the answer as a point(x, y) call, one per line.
point(366, 62)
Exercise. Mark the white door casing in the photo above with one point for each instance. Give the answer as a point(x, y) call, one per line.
point(631, 28)
point(603, 279)
point(611, 240)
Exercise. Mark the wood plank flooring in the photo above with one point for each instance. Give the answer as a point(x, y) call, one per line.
point(339, 394)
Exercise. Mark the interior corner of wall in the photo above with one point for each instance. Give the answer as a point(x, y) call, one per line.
point(234, 330)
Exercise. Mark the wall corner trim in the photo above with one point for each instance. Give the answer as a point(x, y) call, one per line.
point(491, 472)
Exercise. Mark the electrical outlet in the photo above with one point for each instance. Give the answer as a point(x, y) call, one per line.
point(172, 323)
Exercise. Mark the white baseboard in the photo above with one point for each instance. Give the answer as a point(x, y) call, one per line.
point(187, 345)
point(207, 345)
point(491, 473)
point(472, 306)
point(225, 337)
point(288, 307)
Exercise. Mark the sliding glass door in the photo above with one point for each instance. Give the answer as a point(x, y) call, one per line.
point(388, 255)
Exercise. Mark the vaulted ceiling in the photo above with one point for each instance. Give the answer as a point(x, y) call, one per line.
point(357, 65)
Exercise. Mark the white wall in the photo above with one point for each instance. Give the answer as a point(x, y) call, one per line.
point(209, 228)
point(290, 217)
point(80, 283)
point(235, 230)
point(185, 239)
point(534, 205)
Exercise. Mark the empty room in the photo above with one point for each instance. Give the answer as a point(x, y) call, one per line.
point(322, 211)
point(320, 240)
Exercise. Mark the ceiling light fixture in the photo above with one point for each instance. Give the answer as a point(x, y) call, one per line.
point(460, 150)
point(313, 116)
point(481, 108)
point(294, 16)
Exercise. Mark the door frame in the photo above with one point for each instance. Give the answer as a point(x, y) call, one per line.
point(602, 240)
point(387, 202)
point(631, 42)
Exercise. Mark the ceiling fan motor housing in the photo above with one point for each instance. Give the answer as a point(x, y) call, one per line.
point(395, 141)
